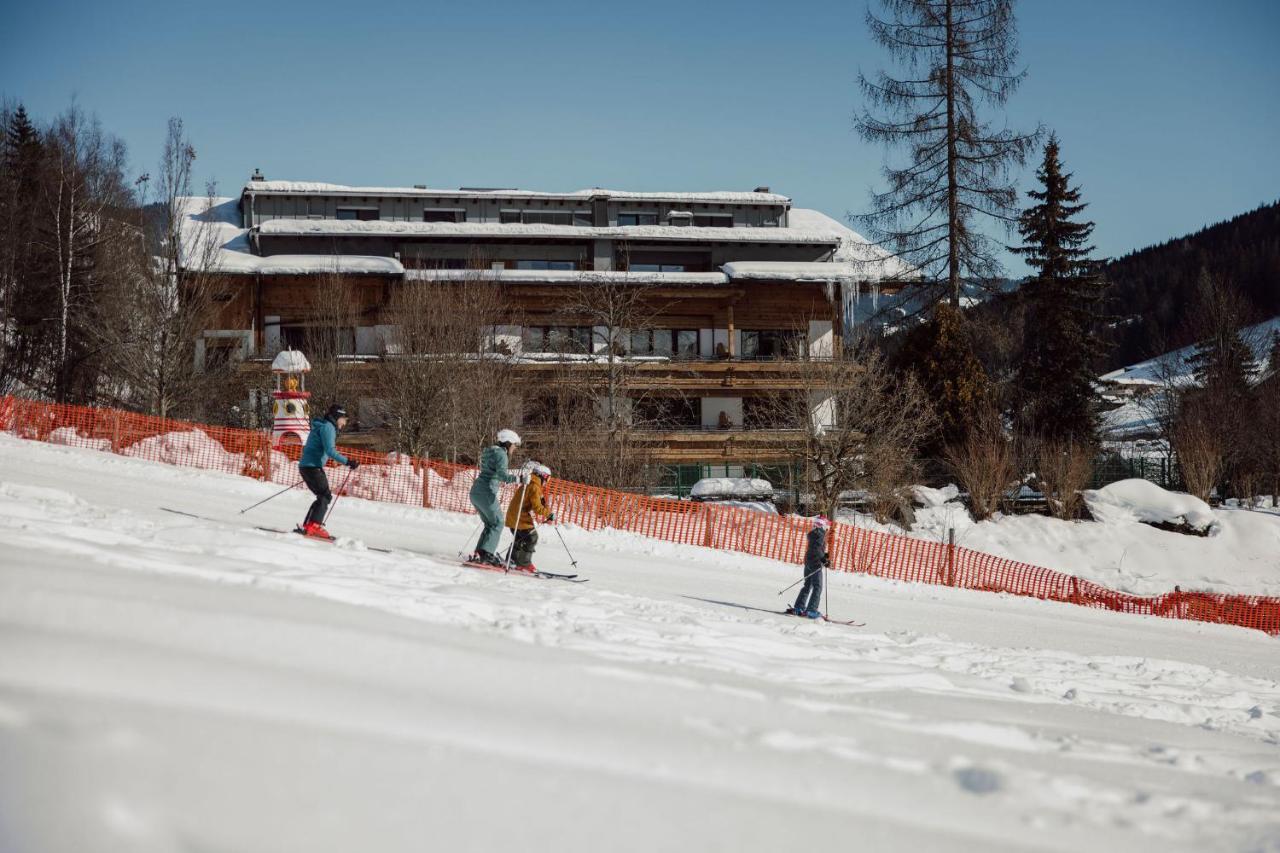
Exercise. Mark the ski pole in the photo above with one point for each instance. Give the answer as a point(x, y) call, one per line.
point(802, 580)
point(472, 536)
point(572, 561)
point(276, 495)
point(341, 489)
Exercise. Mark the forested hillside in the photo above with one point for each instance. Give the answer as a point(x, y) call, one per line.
point(1153, 290)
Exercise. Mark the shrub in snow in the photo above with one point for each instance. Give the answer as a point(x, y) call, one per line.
point(1129, 501)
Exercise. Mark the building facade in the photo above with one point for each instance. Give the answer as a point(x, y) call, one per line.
point(742, 289)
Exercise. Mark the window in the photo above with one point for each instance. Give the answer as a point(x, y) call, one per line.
point(444, 216)
point(545, 265)
point(544, 217)
point(362, 214)
point(672, 343)
point(561, 339)
point(667, 412)
point(319, 339)
point(657, 268)
point(772, 343)
point(637, 219)
point(713, 220)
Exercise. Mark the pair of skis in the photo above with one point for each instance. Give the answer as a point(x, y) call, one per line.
point(537, 573)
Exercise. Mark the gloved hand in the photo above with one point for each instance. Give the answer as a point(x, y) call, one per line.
point(353, 464)
point(826, 560)
point(522, 476)
point(551, 516)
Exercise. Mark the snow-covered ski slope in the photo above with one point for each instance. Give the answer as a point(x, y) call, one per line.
point(169, 683)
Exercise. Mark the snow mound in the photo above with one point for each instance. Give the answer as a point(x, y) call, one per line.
point(68, 437)
point(928, 497)
point(192, 448)
point(1130, 501)
point(731, 487)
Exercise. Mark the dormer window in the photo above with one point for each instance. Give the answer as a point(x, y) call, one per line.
point(680, 217)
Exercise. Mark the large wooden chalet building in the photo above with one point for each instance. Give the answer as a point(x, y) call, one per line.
point(748, 285)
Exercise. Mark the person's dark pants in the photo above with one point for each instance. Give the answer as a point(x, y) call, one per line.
point(522, 548)
point(811, 593)
point(318, 483)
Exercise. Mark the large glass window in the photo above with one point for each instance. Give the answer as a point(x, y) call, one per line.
point(667, 412)
point(657, 268)
point(637, 219)
point(772, 343)
point(545, 265)
point(713, 220)
point(557, 339)
point(672, 343)
point(361, 214)
point(444, 216)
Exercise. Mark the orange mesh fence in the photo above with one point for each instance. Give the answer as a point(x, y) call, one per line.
point(397, 478)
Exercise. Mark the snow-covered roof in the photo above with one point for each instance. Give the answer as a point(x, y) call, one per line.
point(214, 241)
point(320, 188)
point(853, 247)
point(795, 270)
point(569, 276)
point(401, 228)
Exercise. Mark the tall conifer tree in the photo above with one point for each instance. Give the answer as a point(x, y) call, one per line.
point(1056, 397)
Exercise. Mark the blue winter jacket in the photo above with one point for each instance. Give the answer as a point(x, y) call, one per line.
point(493, 468)
point(320, 444)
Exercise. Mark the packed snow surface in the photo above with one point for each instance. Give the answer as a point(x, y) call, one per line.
point(1140, 500)
point(169, 682)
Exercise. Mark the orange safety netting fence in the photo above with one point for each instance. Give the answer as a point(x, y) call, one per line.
point(397, 478)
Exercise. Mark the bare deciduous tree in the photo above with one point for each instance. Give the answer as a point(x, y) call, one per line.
point(162, 299)
point(853, 424)
point(447, 387)
point(1062, 468)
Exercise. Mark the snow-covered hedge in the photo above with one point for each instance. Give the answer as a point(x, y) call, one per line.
point(1129, 501)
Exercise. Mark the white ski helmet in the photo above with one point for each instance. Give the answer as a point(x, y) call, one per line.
point(540, 469)
point(822, 521)
point(508, 436)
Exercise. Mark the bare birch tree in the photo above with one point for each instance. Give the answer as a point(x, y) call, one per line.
point(84, 192)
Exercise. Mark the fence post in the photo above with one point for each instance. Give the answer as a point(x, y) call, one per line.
point(425, 468)
point(951, 556)
point(266, 461)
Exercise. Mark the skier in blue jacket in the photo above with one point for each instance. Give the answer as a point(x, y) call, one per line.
point(484, 495)
point(816, 559)
point(320, 447)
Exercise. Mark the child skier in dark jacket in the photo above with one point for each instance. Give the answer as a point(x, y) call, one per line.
point(815, 558)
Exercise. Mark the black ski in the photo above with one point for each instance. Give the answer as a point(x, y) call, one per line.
point(269, 529)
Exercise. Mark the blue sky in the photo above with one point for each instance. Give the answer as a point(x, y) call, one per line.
point(1167, 109)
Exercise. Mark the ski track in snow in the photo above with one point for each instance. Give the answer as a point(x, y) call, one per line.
point(956, 718)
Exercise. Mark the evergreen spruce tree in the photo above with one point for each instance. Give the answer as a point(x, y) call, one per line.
point(1056, 397)
point(1273, 359)
point(941, 354)
point(1224, 364)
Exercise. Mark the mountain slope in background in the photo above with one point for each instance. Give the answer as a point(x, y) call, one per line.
point(1153, 290)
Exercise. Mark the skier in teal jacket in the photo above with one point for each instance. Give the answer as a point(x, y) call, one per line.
point(484, 495)
point(321, 446)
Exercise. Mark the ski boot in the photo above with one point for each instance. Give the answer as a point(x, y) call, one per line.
point(812, 614)
point(315, 530)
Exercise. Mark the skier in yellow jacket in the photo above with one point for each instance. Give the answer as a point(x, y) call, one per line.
point(527, 502)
